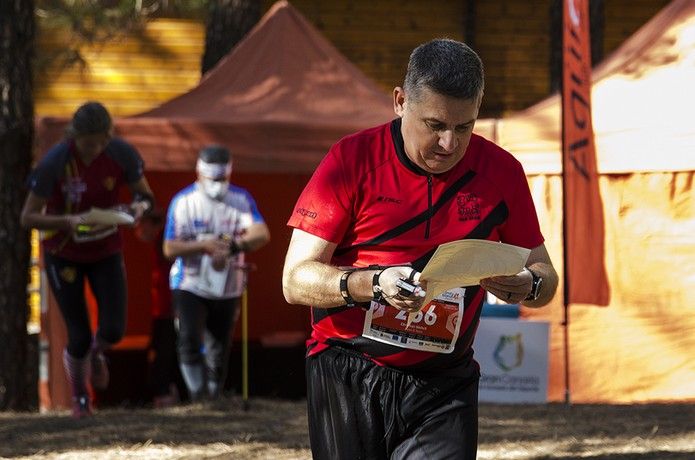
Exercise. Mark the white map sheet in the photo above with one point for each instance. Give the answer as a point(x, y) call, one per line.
point(107, 217)
point(465, 262)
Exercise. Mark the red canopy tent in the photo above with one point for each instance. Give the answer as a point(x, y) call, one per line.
point(278, 101)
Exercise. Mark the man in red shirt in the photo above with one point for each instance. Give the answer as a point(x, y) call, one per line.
point(374, 212)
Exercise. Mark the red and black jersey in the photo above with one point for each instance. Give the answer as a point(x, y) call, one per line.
point(71, 187)
point(382, 209)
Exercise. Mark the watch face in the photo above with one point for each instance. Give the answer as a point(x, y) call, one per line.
point(535, 286)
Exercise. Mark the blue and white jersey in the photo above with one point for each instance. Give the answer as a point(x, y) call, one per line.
point(192, 215)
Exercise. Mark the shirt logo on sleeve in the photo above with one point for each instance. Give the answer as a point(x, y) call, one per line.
point(388, 199)
point(306, 213)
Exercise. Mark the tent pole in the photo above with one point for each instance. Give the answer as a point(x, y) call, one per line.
point(244, 351)
point(565, 200)
point(566, 325)
point(565, 282)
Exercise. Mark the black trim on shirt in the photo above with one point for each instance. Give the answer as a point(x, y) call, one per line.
point(494, 218)
point(481, 231)
point(318, 314)
point(399, 145)
point(417, 220)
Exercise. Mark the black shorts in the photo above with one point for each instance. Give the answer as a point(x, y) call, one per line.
point(204, 324)
point(107, 280)
point(358, 410)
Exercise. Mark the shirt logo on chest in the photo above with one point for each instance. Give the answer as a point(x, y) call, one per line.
point(109, 183)
point(468, 206)
point(73, 188)
point(200, 224)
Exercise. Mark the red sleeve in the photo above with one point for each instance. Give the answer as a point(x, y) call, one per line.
point(521, 227)
point(324, 208)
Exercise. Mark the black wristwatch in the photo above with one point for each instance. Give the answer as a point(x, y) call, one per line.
point(535, 287)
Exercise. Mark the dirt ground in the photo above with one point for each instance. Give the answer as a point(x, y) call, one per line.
point(276, 429)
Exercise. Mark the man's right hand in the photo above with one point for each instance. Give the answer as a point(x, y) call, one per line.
point(215, 246)
point(73, 221)
point(391, 292)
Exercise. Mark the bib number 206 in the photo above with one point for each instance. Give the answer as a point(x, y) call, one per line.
point(430, 316)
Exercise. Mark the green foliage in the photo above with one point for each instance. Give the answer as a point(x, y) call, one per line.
point(99, 20)
point(73, 23)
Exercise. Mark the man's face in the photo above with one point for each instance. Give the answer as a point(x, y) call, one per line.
point(436, 129)
point(91, 145)
point(214, 178)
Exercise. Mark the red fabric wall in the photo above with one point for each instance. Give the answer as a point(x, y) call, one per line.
point(269, 314)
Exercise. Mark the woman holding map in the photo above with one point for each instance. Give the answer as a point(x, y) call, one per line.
point(73, 199)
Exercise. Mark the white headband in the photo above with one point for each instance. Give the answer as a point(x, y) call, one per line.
point(213, 170)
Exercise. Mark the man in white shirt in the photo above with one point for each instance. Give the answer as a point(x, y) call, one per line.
point(210, 225)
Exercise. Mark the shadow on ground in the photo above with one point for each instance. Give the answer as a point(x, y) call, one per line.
point(277, 429)
point(279, 423)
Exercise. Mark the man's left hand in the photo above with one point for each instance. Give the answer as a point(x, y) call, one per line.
point(510, 289)
point(138, 208)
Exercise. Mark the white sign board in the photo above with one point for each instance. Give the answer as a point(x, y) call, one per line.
point(513, 358)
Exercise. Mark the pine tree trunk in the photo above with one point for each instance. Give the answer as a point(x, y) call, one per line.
point(16, 133)
point(228, 22)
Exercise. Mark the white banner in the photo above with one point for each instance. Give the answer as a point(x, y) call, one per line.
point(513, 358)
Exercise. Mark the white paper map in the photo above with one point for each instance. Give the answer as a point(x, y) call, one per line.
point(465, 262)
point(107, 217)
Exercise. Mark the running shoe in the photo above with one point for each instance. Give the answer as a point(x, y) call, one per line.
point(100, 371)
point(81, 407)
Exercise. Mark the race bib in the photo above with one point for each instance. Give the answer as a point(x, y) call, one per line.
point(435, 327)
point(212, 281)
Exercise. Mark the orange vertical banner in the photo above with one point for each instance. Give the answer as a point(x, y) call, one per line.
point(585, 273)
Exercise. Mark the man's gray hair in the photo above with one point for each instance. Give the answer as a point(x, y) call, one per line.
point(447, 67)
